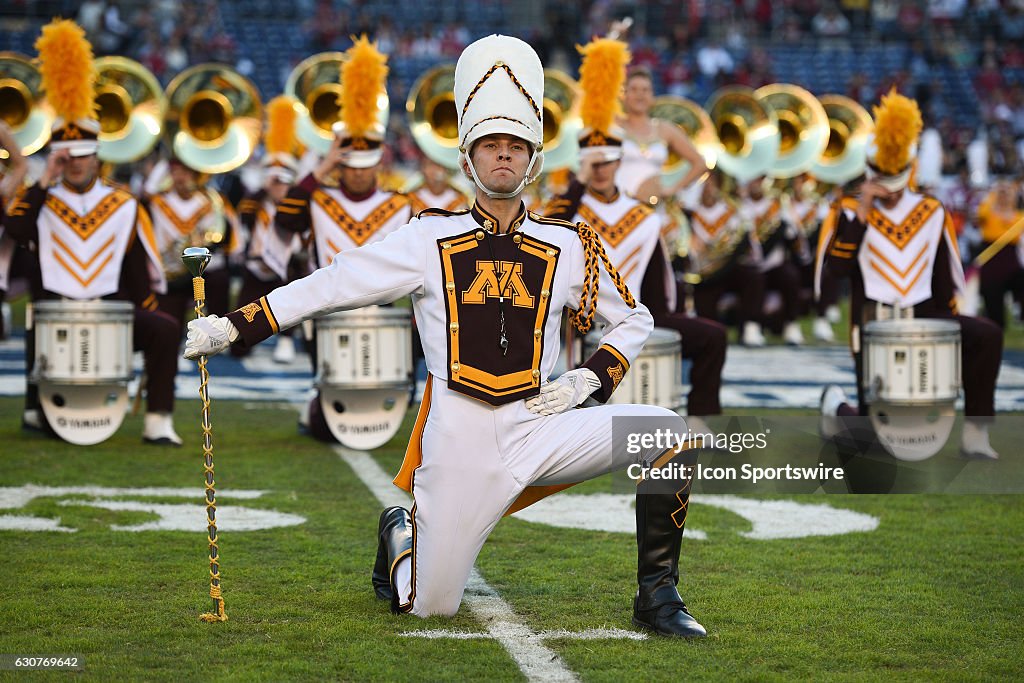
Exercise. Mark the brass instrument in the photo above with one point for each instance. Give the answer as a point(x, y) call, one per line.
point(845, 155)
point(214, 118)
point(727, 247)
point(697, 125)
point(211, 233)
point(130, 107)
point(748, 133)
point(316, 83)
point(562, 123)
point(433, 119)
point(22, 104)
point(803, 128)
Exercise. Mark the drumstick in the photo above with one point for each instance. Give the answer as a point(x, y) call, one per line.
point(195, 260)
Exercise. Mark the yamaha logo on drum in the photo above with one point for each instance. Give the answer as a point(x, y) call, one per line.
point(83, 351)
point(922, 372)
point(365, 355)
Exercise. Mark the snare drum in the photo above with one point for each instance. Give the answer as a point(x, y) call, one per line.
point(83, 342)
point(911, 362)
point(365, 373)
point(655, 377)
point(369, 348)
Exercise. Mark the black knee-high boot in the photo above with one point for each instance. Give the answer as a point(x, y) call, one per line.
point(661, 507)
point(394, 541)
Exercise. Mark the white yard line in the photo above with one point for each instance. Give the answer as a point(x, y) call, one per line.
point(537, 661)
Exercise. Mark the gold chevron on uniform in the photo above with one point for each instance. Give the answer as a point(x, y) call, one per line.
point(83, 238)
point(449, 199)
point(710, 223)
point(341, 223)
point(629, 229)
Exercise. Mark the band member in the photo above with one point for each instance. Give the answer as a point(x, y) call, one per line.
point(488, 286)
point(436, 190)
point(270, 249)
point(94, 239)
point(899, 249)
point(778, 238)
point(10, 184)
point(998, 213)
point(807, 209)
point(188, 214)
point(648, 142)
point(356, 212)
point(728, 255)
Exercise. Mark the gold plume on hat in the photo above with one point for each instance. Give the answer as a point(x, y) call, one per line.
point(897, 126)
point(281, 118)
point(68, 73)
point(602, 74)
point(363, 78)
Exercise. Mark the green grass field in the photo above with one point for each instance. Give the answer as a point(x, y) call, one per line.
point(935, 592)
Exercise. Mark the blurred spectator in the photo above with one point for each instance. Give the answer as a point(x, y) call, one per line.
point(885, 18)
point(831, 28)
point(858, 88)
point(678, 77)
point(1011, 24)
point(910, 18)
point(713, 59)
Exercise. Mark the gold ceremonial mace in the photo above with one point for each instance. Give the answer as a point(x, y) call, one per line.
point(195, 260)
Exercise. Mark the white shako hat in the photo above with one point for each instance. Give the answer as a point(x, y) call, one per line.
point(499, 88)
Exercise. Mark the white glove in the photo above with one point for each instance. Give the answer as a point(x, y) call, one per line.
point(568, 391)
point(208, 336)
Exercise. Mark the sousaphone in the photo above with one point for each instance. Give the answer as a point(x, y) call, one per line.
point(130, 107)
point(845, 155)
point(562, 123)
point(803, 128)
point(748, 133)
point(23, 105)
point(433, 118)
point(214, 118)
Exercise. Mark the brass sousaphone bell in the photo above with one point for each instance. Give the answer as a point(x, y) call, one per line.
point(316, 83)
point(562, 123)
point(130, 107)
point(22, 104)
point(214, 118)
point(845, 155)
point(803, 128)
point(748, 133)
point(433, 118)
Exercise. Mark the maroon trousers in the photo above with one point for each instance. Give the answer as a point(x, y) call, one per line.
point(748, 284)
point(704, 343)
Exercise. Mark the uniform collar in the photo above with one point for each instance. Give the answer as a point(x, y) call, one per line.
point(351, 196)
point(71, 188)
point(604, 200)
point(488, 222)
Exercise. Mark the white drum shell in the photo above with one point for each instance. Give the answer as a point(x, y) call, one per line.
point(655, 377)
point(911, 362)
point(368, 348)
point(83, 342)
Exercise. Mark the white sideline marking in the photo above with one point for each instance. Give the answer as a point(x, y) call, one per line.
point(589, 634)
point(534, 659)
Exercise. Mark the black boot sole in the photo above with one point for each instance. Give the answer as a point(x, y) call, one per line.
point(643, 625)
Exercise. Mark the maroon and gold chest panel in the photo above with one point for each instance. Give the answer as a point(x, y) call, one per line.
point(486, 276)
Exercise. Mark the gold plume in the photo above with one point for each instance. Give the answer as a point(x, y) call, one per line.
point(363, 78)
point(897, 125)
point(281, 118)
point(602, 74)
point(68, 73)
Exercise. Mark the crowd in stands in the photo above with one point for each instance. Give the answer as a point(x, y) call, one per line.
point(692, 47)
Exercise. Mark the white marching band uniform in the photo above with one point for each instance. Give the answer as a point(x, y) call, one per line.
point(340, 223)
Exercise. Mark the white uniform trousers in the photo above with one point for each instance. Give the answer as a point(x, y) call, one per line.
point(477, 459)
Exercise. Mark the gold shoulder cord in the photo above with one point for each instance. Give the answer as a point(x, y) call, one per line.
point(593, 251)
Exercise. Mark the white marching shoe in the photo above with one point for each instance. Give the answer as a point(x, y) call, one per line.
point(974, 443)
point(833, 314)
point(284, 352)
point(158, 429)
point(829, 424)
point(752, 335)
point(792, 334)
point(822, 330)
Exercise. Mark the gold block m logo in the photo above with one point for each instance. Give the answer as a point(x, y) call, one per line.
point(486, 284)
